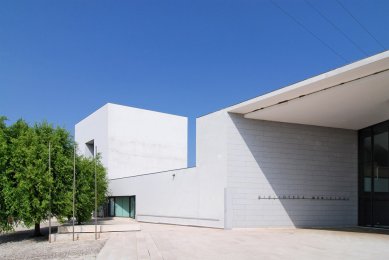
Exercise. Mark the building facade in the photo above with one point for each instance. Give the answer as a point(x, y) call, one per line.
point(315, 153)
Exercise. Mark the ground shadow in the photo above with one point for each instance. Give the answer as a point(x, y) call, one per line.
point(366, 230)
point(90, 222)
point(16, 236)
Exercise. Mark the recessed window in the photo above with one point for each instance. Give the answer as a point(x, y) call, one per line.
point(90, 148)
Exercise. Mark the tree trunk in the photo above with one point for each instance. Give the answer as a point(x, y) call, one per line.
point(37, 231)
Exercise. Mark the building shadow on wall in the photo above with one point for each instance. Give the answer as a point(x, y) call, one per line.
point(288, 180)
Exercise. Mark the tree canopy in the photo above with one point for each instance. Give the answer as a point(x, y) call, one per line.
point(29, 191)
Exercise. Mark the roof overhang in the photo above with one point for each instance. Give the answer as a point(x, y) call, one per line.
point(351, 97)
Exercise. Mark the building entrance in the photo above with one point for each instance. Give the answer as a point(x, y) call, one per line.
point(374, 176)
point(122, 206)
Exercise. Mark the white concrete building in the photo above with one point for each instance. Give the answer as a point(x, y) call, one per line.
point(315, 153)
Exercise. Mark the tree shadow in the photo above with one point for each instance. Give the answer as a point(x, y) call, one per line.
point(21, 235)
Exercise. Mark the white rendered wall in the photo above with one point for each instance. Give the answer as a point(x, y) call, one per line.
point(143, 141)
point(94, 127)
point(167, 197)
point(135, 141)
point(271, 158)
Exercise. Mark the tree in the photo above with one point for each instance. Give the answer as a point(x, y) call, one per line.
point(85, 186)
point(30, 187)
point(30, 193)
point(5, 224)
point(14, 167)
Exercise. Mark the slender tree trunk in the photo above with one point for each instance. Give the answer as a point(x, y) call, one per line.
point(37, 231)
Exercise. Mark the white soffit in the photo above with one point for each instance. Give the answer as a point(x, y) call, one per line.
point(352, 97)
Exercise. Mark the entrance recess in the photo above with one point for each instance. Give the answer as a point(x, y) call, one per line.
point(374, 175)
point(122, 206)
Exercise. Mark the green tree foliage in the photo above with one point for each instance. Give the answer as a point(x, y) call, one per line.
point(29, 191)
point(85, 186)
point(15, 166)
point(4, 221)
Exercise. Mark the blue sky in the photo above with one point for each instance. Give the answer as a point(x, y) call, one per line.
point(61, 60)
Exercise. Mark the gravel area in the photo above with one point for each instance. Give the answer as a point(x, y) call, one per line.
point(22, 245)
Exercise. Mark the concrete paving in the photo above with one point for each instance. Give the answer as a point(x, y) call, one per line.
point(158, 241)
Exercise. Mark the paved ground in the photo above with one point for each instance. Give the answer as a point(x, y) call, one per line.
point(157, 241)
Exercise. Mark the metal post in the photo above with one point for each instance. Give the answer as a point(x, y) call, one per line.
point(50, 194)
point(95, 195)
point(74, 184)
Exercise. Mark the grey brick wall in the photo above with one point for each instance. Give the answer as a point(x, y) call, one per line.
point(275, 159)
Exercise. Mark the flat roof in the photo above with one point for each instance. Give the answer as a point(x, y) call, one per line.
point(351, 97)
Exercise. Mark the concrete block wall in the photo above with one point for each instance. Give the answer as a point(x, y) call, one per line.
point(276, 159)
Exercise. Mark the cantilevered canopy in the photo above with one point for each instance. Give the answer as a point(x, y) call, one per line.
point(351, 97)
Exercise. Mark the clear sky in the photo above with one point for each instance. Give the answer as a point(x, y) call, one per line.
point(61, 60)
